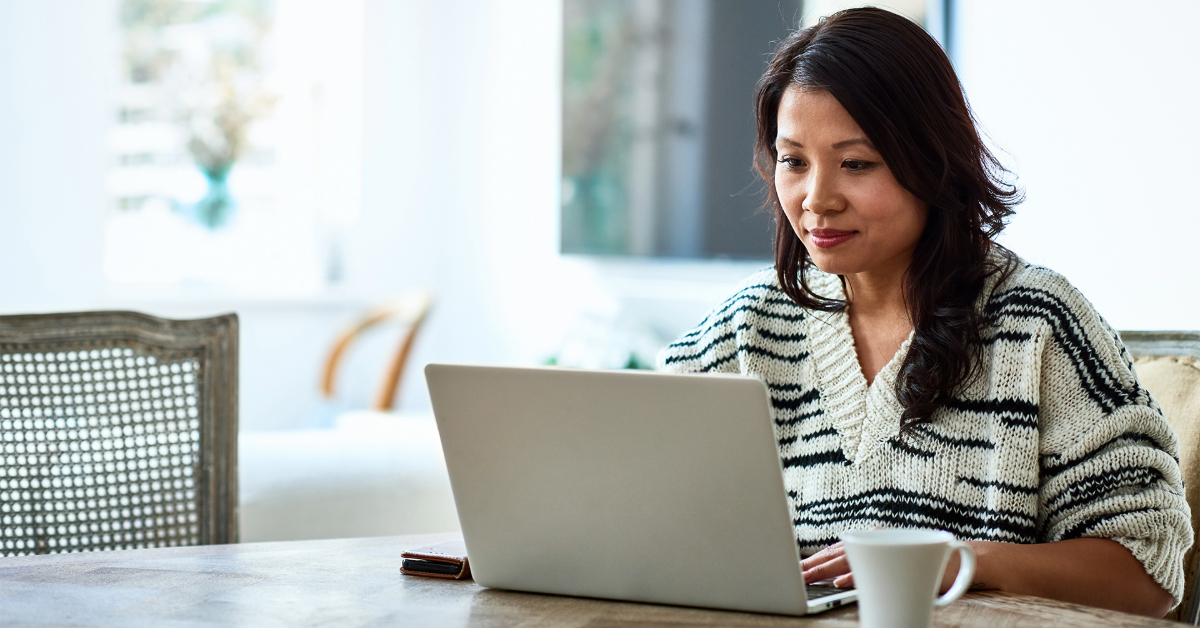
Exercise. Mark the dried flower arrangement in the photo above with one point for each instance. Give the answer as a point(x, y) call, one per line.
point(207, 58)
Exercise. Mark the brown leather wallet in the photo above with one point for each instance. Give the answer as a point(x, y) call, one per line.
point(442, 560)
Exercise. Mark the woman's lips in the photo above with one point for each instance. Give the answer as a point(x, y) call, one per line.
point(826, 238)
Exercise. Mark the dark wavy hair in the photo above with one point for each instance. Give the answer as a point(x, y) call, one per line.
point(899, 86)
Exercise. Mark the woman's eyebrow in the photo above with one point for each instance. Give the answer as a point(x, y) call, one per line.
point(858, 140)
point(842, 144)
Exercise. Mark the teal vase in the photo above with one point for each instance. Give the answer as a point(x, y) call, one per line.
point(217, 206)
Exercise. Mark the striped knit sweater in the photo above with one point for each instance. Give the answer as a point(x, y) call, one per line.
point(1057, 440)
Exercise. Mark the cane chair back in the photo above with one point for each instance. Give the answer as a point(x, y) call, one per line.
point(1168, 365)
point(118, 430)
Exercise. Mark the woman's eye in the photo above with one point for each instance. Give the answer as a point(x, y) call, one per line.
point(791, 162)
point(854, 165)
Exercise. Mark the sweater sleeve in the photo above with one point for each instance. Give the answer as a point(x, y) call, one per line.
point(1109, 460)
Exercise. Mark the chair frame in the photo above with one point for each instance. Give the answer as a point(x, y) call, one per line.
point(1162, 343)
point(1171, 344)
point(410, 310)
point(217, 338)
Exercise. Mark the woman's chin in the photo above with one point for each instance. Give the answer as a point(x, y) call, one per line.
point(832, 263)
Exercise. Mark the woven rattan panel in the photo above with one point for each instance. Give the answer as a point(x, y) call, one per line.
point(99, 448)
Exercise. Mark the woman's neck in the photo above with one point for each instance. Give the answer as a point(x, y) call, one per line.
point(879, 318)
point(877, 294)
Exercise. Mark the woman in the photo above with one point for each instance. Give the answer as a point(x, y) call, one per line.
point(921, 375)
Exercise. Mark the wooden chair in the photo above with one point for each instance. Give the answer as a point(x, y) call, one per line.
point(118, 430)
point(1168, 365)
point(410, 311)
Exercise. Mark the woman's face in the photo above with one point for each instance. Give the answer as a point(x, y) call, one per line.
point(852, 215)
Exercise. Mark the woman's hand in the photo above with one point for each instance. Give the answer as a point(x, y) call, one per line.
point(831, 563)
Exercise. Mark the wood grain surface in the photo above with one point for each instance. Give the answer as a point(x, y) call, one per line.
point(357, 582)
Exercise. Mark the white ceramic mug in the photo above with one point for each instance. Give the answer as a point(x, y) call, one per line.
point(897, 573)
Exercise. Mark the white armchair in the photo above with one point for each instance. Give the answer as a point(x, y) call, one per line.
point(373, 474)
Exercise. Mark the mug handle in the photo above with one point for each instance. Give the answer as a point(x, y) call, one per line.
point(966, 570)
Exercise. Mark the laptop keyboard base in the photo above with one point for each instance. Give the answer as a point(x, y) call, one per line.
point(814, 591)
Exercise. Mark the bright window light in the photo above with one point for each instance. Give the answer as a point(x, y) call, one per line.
point(238, 145)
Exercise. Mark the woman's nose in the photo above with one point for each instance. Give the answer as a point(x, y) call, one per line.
point(823, 194)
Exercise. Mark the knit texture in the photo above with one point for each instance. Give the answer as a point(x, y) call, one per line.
point(1056, 440)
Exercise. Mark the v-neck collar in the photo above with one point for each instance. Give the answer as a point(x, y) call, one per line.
point(864, 415)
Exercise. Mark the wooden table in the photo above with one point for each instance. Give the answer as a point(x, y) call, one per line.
point(356, 582)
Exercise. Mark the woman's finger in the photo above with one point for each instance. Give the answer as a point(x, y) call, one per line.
point(825, 555)
point(834, 568)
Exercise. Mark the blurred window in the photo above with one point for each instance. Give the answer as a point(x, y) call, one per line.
point(658, 121)
point(236, 145)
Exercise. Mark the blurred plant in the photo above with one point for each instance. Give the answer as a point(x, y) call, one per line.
point(599, 45)
point(601, 342)
point(207, 55)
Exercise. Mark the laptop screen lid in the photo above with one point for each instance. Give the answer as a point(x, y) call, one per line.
point(628, 485)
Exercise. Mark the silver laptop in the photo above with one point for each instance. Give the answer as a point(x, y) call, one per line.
point(626, 485)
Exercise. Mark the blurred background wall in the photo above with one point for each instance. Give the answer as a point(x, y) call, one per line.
point(1091, 106)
